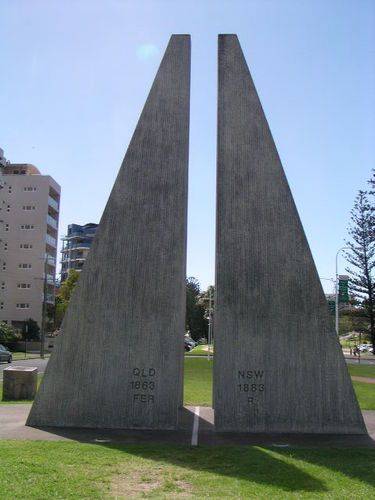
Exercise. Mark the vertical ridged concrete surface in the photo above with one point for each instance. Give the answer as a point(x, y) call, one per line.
point(118, 363)
point(278, 364)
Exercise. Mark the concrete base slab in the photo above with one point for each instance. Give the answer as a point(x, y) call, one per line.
point(20, 382)
point(13, 418)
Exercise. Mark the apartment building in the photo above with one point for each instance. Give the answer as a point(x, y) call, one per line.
point(29, 216)
point(76, 246)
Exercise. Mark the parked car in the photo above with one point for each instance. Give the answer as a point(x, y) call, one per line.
point(189, 344)
point(365, 348)
point(5, 355)
point(191, 341)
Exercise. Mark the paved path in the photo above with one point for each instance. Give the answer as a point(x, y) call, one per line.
point(362, 361)
point(37, 362)
point(368, 380)
point(196, 428)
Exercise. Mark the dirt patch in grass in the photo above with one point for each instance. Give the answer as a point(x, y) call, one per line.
point(144, 483)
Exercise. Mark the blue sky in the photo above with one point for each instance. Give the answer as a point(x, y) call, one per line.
point(75, 75)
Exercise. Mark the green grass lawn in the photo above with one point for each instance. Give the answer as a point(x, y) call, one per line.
point(71, 470)
point(200, 350)
point(21, 355)
point(198, 382)
point(365, 395)
point(362, 370)
point(39, 470)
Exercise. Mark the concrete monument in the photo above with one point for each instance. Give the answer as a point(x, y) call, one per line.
point(278, 364)
point(20, 382)
point(111, 367)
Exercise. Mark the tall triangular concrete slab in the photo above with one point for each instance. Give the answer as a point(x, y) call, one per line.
point(278, 365)
point(118, 362)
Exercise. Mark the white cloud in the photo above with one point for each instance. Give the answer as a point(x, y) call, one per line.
point(147, 51)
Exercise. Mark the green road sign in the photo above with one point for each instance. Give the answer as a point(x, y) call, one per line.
point(344, 290)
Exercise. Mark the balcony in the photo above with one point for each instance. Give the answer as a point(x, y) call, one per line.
point(51, 241)
point(50, 260)
point(73, 259)
point(50, 298)
point(52, 222)
point(50, 279)
point(76, 246)
point(53, 203)
point(76, 234)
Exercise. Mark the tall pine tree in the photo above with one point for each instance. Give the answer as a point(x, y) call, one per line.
point(361, 256)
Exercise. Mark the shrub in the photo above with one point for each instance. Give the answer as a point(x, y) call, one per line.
point(7, 333)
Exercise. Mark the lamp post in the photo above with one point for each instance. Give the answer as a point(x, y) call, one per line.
point(337, 290)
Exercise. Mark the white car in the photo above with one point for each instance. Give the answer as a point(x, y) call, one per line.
point(365, 348)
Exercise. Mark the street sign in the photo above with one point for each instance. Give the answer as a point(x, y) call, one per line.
point(344, 289)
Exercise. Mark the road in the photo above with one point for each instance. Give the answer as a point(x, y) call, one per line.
point(37, 362)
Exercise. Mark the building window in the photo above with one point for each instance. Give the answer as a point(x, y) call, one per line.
point(8, 208)
point(3, 285)
point(6, 227)
point(27, 246)
point(29, 188)
point(4, 266)
point(24, 266)
point(1, 305)
point(27, 226)
point(5, 246)
point(23, 306)
point(28, 207)
point(23, 285)
point(9, 189)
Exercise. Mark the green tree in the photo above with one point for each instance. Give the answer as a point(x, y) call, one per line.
point(60, 308)
point(63, 296)
point(7, 333)
point(30, 330)
point(354, 320)
point(361, 257)
point(196, 322)
point(68, 285)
